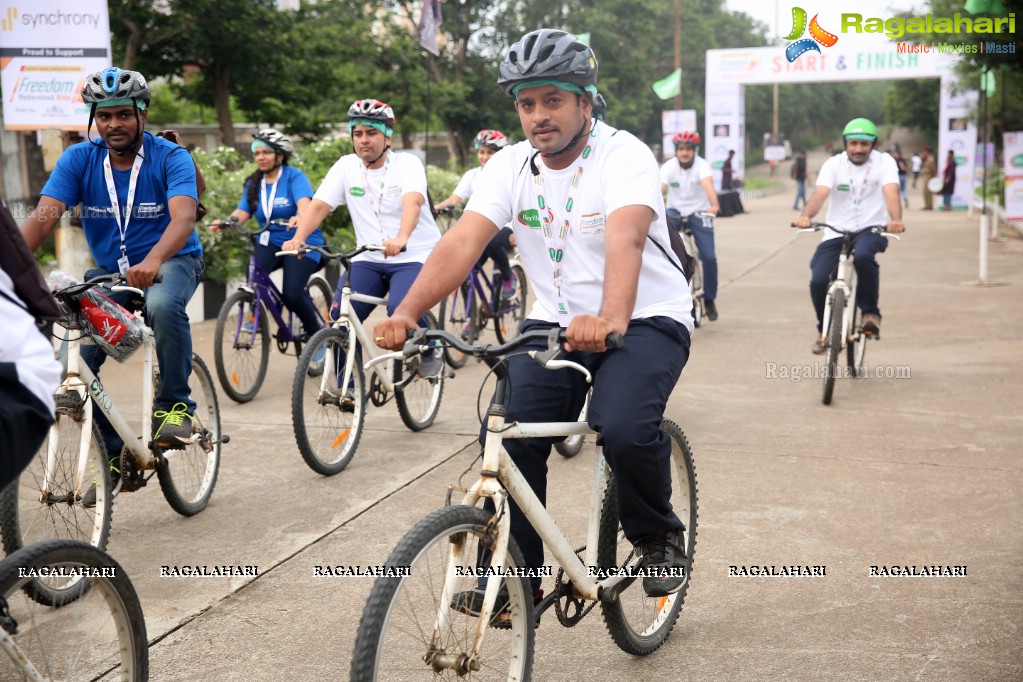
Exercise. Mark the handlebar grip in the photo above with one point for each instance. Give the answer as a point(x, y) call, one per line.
point(158, 278)
point(614, 340)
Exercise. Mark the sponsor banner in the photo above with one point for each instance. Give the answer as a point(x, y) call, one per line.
point(1014, 197)
point(1013, 146)
point(725, 125)
point(47, 48)
point(672, 122)
point(957, 133)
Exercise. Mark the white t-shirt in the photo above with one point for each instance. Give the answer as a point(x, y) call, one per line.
point(916, 163)
point(22, 344)
point(620, 171)
point(857, 199)
point(467, 183)
point(377, 220)
point(685, 193)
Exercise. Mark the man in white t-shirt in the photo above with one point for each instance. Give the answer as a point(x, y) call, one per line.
point(916, 164)
point(687, 180)
point(487, 143)
point(583, 200)
point(866, 187)
point(385, 192)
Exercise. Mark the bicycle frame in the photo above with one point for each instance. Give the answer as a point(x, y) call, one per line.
point(845, 280)
point(348, 318)
point(270, 298)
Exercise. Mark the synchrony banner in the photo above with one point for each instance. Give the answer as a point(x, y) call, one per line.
point(47, 48)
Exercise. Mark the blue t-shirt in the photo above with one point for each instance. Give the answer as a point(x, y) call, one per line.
point(167, 171)
point(292, 186)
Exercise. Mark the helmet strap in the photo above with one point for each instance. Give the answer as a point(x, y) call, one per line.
point(386, 148)
point(583, 131)
point(135, 145)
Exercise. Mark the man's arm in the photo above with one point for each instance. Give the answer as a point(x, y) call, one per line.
point(40, 222)
point(625, 235)
point(411, 202)
point(708, 188)
point(447, 267)
point(180, 228)
point(817, 199)
point(893, 203)
point(312, 215)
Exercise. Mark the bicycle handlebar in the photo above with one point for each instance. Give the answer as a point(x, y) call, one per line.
point(555, 339)
point(111, 281)
point(232, 223)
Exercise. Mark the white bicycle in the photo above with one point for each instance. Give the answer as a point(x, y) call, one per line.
point(681, 223)
point(416, 625)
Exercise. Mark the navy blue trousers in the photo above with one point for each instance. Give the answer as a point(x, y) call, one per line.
point(824, 268)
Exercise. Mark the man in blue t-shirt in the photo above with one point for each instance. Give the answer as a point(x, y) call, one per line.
point(138, 197)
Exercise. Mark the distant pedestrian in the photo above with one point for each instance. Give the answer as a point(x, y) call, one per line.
point(726, 172)
point(930, 169)
point(799, 175)
point(903, 175)
point(916, 164)
point(949, 179)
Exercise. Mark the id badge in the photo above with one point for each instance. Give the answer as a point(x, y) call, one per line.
point(123, 265)
point(264, 238)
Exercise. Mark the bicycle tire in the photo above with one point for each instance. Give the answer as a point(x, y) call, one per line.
point(419, 400)
point(25, 518)
point(696, 292)
point(458, 322)
point(188, 476)
point(834, 345)
point(398, 621)
point(513, 314)
point(113, 646)
point(241, 367)
point(856, 350)
point(656, 616)
point(326, 434)
point(321, 295)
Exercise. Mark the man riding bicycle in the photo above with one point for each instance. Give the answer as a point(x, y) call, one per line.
point(687, 180)
point(385, 192)
point(139, 199)
point(582, 198)
point(487, 143)
point(866, 187)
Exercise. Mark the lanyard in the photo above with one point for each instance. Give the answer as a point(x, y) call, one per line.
point(377, 201)
point(267, 202)
point(108, 175)
point(557, 240)
point(857, 196)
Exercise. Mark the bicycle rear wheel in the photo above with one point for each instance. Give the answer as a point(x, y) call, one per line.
point(328, 419)
point(241, 352)
point(99, 634)
point(639, 624)
point(834, 345)
point(856, 349)
point(460, 320)
point(511, 311)
point(419, 399)
point(696, 291)
point(396, 632)
point(188, 476)
point(321, 295)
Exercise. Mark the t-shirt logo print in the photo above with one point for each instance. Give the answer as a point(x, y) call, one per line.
point(818, 35)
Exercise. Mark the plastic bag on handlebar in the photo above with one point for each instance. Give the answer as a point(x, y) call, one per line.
point(112, 326)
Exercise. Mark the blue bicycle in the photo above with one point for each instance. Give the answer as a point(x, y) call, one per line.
point(241, 342)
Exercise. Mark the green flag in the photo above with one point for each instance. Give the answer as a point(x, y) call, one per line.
point(983, 6)
point(584, 38)
point(669, 87)
point(987, 82)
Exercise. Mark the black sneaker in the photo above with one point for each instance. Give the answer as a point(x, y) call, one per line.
point(431, 363)
point(663, 555)
point(89, 498)
point(172, 429)
point(710, 309)
point(470, 602)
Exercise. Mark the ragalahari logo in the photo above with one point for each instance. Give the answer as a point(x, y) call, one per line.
point(817, 35)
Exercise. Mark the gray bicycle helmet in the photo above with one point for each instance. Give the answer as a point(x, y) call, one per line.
point(112, 85)
point(547, 55)
point(599, 106)
point(372, 110)
point(277, 141)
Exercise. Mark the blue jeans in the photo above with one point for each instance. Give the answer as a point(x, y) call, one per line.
point(164, 312)
point(631, 386)
point(800, 194)
point(824, 268)
point(704, 238)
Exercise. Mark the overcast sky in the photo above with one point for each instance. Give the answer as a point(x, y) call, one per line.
point(830, 12)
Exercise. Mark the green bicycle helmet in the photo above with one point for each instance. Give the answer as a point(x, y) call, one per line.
point(860, 129)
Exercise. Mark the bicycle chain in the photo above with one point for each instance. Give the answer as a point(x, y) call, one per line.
point(563, 591)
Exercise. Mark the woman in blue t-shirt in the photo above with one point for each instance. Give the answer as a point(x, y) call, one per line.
point(277, 191)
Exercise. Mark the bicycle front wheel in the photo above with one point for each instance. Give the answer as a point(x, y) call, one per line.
point(328, 417)
point(408, 630)
point(512, 310)
point(458, 315)
point(241, 352)
point(100, 634)
point(856, 350)
point(187, 476)
point(419, 399)
point(639, 624)
point(834, 345)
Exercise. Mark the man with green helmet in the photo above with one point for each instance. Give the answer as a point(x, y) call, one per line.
point(866, 187)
